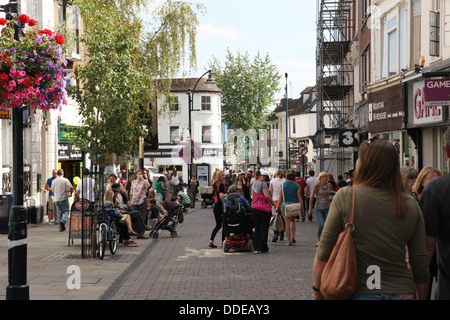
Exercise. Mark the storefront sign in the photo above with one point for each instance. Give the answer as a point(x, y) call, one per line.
point(67, 134)
point(437, 92)
point(161, 153)
point(69, 152)
point(4, 114)
point(385, 109)
point(424, 113)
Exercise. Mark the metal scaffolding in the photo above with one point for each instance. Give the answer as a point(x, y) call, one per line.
point(334, 79)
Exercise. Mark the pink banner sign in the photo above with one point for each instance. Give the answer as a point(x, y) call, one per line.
point(437, 92)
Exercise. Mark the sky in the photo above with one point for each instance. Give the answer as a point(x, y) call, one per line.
point(283, 29)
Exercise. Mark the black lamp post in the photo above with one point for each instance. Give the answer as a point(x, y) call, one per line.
point(17, 236)
point(191, 93)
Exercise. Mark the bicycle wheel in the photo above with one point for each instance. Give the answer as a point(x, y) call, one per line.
point(113, 239)
point(102, 240)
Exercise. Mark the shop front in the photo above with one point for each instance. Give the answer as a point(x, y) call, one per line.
point(205, 161)
point(428, 101)
point(386, 119)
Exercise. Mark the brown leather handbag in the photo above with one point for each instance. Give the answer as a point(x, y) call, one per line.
point(340, 278)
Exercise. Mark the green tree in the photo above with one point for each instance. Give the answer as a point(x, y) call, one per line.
point(249, 89)
point(128, 65)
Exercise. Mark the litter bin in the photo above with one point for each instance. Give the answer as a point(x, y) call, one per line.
point(6, 202)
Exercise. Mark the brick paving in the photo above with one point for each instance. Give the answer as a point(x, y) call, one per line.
point(181, 268)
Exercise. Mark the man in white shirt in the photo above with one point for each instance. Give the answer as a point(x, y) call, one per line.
point(60, 188)
point(310, 183)
point(86, 187)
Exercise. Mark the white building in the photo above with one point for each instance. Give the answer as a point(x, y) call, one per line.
point(41, 129)
point(301, 127)
point(206, 127)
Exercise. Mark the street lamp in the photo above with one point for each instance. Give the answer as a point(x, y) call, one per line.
point(210, 83)
point(17, 234)
point(287, 126)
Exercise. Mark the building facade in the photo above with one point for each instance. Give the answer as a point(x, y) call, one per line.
point(174, 134)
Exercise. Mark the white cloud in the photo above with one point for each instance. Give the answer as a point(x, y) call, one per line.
point(209, 31)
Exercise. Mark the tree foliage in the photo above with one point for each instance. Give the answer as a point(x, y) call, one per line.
point(128, 64)
point(249, 89)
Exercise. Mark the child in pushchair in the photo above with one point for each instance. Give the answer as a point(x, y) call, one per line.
point(170, 219)
point(237, 225)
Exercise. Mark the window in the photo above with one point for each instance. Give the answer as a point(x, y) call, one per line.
point(365, 12)
point(206, 103)
point(206, 134)
point(365, 68)
point(76, 29)
point(447, 23)
point(293, 125)
point(174, 104)
point(434, 33)
point(416, 33)
point(393, 40)
point(174, 134)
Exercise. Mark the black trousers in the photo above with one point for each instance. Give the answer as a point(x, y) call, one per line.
point(261, 221)
point(218, 213)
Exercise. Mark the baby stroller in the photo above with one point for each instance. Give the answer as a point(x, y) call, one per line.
point(237, 225)
point(207, 194)
point(170, 219)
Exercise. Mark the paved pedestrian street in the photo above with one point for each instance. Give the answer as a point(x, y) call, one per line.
point(181, 268)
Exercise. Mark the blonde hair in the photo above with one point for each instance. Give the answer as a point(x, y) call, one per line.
point(279, 173)
point(323, 174)
point(423, 174)
point(218, 176)
point(109, 196)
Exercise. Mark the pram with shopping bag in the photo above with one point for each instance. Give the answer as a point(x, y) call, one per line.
point(170, 220)
point(237, 224)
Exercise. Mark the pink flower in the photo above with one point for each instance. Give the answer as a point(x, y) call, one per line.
point(41, 97)
point(12, 70)
point(10, 88)
point(4, 105)
point(21, 63)
point(12, 83)
point(30, 89)
point(34, 103)
point(29, 96)
point(10, 96)
point(23, 73)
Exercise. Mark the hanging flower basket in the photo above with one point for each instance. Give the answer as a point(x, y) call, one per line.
point(32, 69)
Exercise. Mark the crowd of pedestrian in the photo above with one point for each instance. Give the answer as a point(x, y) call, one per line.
point(402, 219)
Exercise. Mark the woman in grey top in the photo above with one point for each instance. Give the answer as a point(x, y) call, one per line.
point(321, 191)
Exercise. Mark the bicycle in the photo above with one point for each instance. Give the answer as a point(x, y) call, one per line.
point(106, 232)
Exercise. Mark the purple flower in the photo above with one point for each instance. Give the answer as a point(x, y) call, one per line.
point(12, 50)
point(31, 60)
point(38, 58)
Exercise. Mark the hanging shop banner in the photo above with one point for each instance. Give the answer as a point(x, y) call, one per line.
point(437, 92)
point(424, 113)
point(348, 138)
point(67, 151)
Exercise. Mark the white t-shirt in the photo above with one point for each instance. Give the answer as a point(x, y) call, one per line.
point(59, 188)
point(86, 187)
point(276, 186)
point(310, 182)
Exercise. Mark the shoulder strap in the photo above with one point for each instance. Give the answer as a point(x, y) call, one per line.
point(352, 213)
